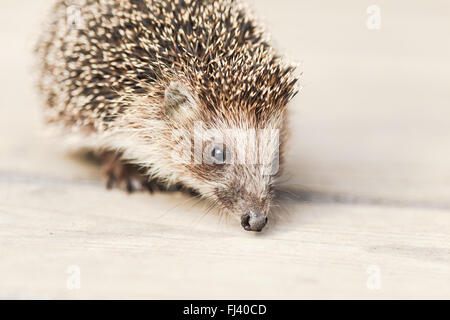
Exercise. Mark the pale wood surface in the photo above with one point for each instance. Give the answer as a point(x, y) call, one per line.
point(371, 147)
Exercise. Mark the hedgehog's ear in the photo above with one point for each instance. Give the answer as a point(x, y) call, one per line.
point(178, 99)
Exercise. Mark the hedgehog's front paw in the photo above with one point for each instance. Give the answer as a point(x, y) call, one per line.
point(122, 175)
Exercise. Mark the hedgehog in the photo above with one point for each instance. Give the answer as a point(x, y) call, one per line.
point(184, 94)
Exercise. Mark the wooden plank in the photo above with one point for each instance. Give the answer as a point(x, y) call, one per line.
point(162, 247)
point(373, 117)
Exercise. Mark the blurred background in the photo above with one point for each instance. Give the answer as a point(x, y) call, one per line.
point(368, 175)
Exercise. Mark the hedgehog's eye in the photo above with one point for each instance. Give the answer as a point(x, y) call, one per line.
point(218, 155)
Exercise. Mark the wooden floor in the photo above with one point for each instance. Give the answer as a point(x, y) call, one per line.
point(367, 215)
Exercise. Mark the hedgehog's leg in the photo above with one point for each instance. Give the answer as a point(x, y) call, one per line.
point(120, 174)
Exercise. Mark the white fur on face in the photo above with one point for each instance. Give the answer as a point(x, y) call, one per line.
point(251, 162)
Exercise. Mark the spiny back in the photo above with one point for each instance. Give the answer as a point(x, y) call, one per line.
point(134, 47)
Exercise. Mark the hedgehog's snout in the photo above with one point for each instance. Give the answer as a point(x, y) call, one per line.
point(254, 221)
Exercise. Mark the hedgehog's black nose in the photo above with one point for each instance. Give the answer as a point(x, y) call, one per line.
point(253, 221)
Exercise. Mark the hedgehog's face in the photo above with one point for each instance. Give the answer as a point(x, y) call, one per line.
point(240, 164)
point(226, 159)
